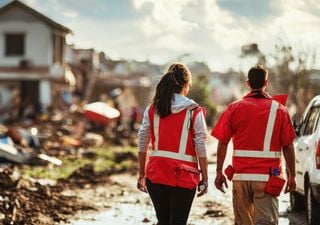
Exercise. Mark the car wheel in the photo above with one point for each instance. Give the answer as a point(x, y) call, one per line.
point(296, 202)
point(312, 207)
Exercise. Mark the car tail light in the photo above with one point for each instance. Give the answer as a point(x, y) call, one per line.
point(318, 155)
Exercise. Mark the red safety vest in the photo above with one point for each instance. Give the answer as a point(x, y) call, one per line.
point(173, 159)
point(257, 164)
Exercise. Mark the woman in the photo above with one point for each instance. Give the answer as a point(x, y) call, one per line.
point(176, 127)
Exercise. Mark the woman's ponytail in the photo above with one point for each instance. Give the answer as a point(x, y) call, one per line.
point(172, 82)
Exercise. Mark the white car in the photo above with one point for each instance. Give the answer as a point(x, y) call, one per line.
point(307, 149)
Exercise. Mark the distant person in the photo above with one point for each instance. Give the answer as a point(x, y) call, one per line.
point(119, 119)
point(261, 129)
point(176, 127)
point(133, 118)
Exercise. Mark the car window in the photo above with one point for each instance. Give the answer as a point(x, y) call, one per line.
point(312, 121)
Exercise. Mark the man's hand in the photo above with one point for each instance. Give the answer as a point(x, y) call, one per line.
point(291, 184)
point(289, 156)
point(202, 188)
point(141, 184)
point(219, 181)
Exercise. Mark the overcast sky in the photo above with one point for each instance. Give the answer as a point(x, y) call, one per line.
point(212, 31)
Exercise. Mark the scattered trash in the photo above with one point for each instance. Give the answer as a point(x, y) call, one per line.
point(50, 159)
point(71, 141)
point(30, 136)
point(57, 135)
point(146, 220)
point(92, 139)
point(214, 213)
point(11, 152)
point(100, 112)
point(28, 202)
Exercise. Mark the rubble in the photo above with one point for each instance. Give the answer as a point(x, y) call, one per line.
point(25, 202)
point(45, 143)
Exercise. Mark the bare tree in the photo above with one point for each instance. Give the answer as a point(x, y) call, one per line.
point(290, 74)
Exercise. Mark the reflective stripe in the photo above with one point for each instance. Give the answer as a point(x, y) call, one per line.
point(184, 133)
point(270, 125)
point(173, 155)
point(250, 176)
point(181, 155)
point(256, 154)
point(266, 153)
point(156, 130)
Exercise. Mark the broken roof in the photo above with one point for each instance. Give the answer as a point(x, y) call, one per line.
point(35, 13)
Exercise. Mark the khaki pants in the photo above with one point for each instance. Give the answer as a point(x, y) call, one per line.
point(252, 206)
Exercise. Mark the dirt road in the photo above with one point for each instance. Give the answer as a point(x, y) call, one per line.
point(119, 202)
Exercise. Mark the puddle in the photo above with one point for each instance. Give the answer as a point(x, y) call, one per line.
point(124, 213)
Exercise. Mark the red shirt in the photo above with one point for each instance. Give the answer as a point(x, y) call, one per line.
point(245, 122)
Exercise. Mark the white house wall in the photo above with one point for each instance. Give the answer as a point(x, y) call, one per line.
point(5, 95)
point(45, 93)
point(38, 38)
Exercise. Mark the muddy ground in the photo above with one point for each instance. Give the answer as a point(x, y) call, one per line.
point(119, 202)
point(24, 201)
point(108, 197)
point(83, 193)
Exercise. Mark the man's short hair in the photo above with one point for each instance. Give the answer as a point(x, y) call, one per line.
point(257, 76)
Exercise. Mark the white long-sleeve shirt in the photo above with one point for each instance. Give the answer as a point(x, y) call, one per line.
point(178, 104)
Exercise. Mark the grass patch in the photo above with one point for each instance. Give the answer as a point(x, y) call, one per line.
point(101, 158)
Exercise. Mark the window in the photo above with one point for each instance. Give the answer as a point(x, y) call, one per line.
point(58, 46)
point(312, 121)
point(14, 44)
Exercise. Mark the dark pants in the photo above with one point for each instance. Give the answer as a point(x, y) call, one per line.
point(172, 204)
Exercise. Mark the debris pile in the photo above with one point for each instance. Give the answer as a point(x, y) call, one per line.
point(26, 202)
point(45, 143)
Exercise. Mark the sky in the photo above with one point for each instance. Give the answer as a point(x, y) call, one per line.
point(162, 31)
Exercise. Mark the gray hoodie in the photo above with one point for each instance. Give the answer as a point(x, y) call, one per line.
point(178, 104)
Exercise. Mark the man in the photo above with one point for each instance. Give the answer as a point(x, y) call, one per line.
point(261, 129)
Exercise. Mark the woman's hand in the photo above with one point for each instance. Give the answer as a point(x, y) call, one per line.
point(141, 184)
point(202, 188)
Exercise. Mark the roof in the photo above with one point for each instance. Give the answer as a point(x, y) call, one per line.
point(50, 22)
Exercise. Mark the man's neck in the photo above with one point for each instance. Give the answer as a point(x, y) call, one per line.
point(258, 90)
point(258, 93)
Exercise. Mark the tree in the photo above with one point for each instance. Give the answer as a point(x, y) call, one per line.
point(291, 75)
point(284, 76)
point(252, 50)
point(200, 94)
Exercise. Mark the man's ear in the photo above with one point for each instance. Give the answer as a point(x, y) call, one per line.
point(248, 84)
point(265, 83)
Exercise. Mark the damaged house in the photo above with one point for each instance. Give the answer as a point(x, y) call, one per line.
point(33, 73)
point(123, 84)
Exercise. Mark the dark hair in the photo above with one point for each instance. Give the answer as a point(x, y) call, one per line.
point(171, 82)
point(257, 76)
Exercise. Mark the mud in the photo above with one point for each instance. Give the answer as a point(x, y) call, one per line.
point(26, 202)
point(119, 202)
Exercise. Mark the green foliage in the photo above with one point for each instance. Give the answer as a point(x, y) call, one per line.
point(69, 165)
point(200, 94)
point(104, 158)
